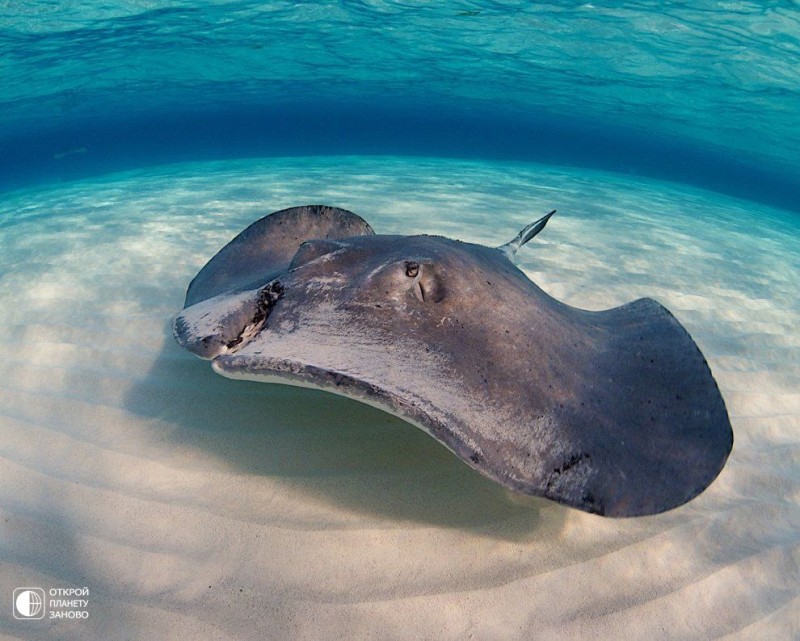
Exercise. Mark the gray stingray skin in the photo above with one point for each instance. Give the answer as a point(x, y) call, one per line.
point(613, 412)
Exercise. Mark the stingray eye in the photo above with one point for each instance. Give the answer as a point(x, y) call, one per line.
point(427, 284)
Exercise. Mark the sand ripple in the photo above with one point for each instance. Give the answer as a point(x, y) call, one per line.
point(194, 507)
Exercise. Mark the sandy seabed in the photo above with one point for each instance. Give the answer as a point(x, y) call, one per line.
point(195, 507)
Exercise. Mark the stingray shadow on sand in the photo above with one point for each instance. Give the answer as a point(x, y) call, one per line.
point(330, 448)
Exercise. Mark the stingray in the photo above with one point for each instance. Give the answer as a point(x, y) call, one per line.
point(612, 412)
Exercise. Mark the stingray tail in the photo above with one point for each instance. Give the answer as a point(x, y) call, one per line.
point(511, 248)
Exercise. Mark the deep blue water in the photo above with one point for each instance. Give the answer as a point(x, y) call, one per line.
point(702, 92)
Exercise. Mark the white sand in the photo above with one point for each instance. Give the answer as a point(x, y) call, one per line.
point(195, 507)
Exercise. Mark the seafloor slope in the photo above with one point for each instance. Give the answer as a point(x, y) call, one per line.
point(192, 506)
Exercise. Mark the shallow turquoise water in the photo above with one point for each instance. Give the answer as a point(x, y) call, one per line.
point(701, 92)
point(666, 135)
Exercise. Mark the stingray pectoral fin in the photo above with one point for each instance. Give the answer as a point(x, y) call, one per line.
point(265, 249)
point(645, 428)
point(364, 388)
point(631, 423)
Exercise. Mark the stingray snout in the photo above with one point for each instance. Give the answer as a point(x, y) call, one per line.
point(225, 323)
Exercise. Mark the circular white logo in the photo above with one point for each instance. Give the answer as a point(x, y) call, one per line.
point(29, 603)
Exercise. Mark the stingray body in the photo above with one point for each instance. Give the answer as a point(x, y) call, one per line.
point(613, 412)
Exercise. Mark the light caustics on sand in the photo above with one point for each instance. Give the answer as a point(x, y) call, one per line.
point(236, 510)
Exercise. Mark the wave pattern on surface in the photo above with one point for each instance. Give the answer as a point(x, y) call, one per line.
point(722, 74)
